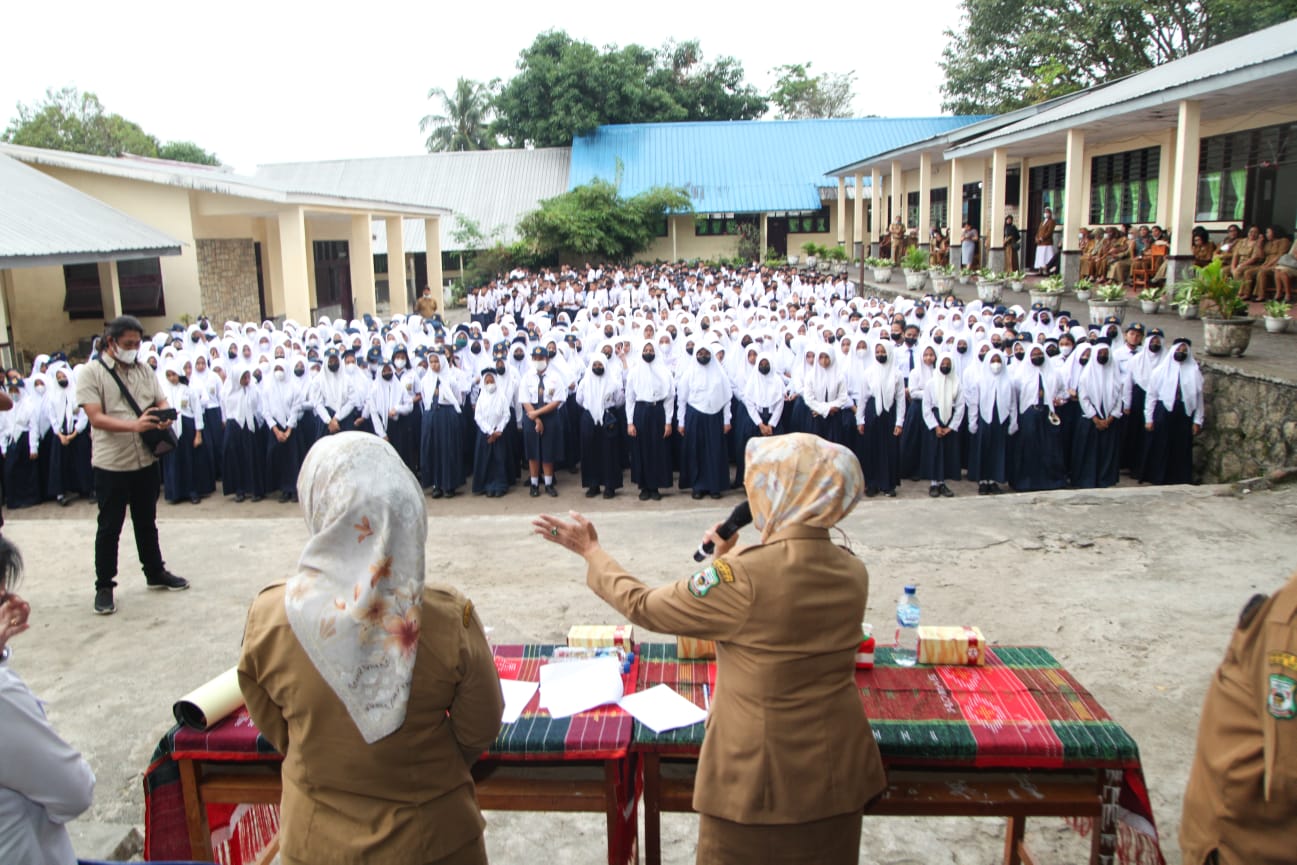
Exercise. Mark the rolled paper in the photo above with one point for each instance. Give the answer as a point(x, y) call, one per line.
point(208, 704)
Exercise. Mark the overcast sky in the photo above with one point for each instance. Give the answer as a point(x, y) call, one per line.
point(267, 81)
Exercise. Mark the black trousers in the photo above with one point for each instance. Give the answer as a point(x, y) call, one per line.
point(115, 492)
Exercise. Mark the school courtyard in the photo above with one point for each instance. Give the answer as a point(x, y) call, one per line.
point(1135, 590)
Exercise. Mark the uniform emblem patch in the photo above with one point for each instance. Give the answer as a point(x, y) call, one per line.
point(701, 583)
point(1283, 697)
point(1287, 660)
point(724, 571)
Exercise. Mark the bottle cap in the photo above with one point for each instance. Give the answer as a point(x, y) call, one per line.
point(910, 590)
point(866, 630)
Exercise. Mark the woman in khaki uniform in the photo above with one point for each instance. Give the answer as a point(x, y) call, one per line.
point(379, 692)
point(789, 761)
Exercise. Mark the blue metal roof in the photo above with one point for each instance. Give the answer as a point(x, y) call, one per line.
point(740, 166)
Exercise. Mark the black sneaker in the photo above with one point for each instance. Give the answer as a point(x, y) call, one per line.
point(550, 491)
point(946, 491)
point(535, 490)
point(165, 580)
point(933, 491)
point(104, 605)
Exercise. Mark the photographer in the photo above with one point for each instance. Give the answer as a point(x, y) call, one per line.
point(126, 471)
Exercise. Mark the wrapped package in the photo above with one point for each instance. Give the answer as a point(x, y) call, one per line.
point(602, 636)
point(955, 646)
point(693, 647)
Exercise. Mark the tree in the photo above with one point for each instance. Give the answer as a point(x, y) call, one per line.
point(565, 88)
point(799, 95)
point(595, 221)
point(465, 121)
point(75, 121)
point(1010, 54)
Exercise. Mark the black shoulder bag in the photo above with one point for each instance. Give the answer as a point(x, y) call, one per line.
point(158, 441)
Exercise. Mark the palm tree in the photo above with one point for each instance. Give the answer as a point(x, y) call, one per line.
point(464, 123)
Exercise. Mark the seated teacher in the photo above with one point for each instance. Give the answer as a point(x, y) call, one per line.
point(789, 761)
point(379, 691)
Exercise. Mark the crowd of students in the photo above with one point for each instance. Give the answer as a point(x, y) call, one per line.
point(666, 372)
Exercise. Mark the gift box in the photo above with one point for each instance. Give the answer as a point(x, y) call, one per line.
point(958, 646)
point(602, 636)
point(692, 647)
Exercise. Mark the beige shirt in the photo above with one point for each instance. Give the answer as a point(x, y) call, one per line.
point(118, 451)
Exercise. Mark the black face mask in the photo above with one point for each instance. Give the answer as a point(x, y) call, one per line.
point(333, 366)
point(647, 357)
point(499, 367)
point(896, 338)
point(880, 358)
point(299, 372)
point(704, 359)
point(945, 369)
point(597, 370)
point(689, 350)
point(1020, 354)
point(517, 357)
point(233, 355)
point(962, 349)
point(1181, 356)
point(1155, 347)
point(1037, 361)
point(387, 376)
point(764, 369)
point(911, 341)
point(706, 325)
point(63, 383)
point(1084, 361)
point(918, 313)
point(1102, 359)
point(476, 349)
point(550, 352)
point(938, 339)
point(1052, 351)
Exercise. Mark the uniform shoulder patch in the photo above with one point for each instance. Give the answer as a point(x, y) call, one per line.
point(468, 613)
point(1250, 610)
point(1282, 700)
point(724, 570)
point(702, 582)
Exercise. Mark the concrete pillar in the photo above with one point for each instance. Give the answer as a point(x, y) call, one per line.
point(432, 243)
point(1076, 199)
point(955, 203)
point(675, 256)
point(842, 211)
point(290, 266)
point(7, 337)
point(110, 290)
point(925, 199)
point(995, 190)
point(898, 194)
point(765, 235)
point(398, 298)
point(360, 257)
point(875, 210)
point(1165, 169)
point(858, 218)
point(1184, 190)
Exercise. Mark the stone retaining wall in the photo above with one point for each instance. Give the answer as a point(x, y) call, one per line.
point(227, 279)
point(1250, 426)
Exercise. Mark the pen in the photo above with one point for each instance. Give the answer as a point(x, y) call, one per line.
point(707, 699)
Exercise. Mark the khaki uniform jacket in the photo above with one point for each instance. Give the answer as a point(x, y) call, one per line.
point(1045, 233)
point(1241, 800)
point(406, 798)
point(426, 307)
point(787, 738)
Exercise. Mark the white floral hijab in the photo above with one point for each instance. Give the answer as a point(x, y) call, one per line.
point(800, 479)
point(354, 603)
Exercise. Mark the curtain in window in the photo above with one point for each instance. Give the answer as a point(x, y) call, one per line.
point(1150, 196)
point(1238, 182)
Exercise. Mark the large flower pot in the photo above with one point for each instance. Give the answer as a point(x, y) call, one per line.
point(1016, 285)
point(1227, 337)
point(942, 283)
point(1148, 307)
point(990, 290)
point(915, 279)
point(1101, 309)
point(1083, 294)
point(882, 274)
point(1188, 311)
point(1050, 300)
point(1276, 325)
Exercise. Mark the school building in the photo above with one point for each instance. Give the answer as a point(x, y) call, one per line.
point(1208, 140)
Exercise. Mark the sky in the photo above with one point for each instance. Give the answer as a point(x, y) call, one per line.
point(283, 81)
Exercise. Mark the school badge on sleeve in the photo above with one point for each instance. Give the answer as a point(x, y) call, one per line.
point(701, 583)
point(1282, 701)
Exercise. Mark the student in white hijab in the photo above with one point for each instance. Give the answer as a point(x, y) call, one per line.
point(992, 399)
point(23, 481)
point(70, 473)
point(387, 754)
point(825, 392)
point(1172, 417)
point(943, 412)
point(762, 400)
point(1038, 448)
point(492, 418)
point(650, 408)
point(599, 395)
point(1102, 392)
point(281, 409)
point(703, 409)
point(241, 464)
point(185, 470)
point(880, 421)
point(441, 455)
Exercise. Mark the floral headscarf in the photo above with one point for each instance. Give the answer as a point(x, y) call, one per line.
point(800, 479)
point(354, 603)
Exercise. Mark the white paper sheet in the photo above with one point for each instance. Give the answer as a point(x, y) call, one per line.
point(516, 697)
point(575, 686)
point(661, 708)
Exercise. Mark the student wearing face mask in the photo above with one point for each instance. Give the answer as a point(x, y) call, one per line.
point(703, 409)
point(992, 400)
point(880, 421)
point(22, 481)
point(70, 474)
point(1039, 444)
point(914, 426)
point(1173, 415)
point(1142, 369)
point(761, 408)
point(943, 412)
point(441, 461)
point(1102, 394)
point(281, 410)
point(650, 405)
point(334, 396)
point(492, 417)
point(244, 460)
point(599, 396)
point(542, 392)
point(186, 471)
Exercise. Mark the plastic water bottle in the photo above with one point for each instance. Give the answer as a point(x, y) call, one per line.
point(906, 650)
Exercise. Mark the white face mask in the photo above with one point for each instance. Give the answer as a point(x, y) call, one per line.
point(996, 367)
point(1065, 350)
point(280, 375)
point(489, 387)
point(40, 388)
point(398, 363)
point(540, 365)
point(127, 356)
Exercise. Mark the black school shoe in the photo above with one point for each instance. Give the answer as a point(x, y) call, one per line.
point(550, 491)
point(167, 581)
point(104, 605)
point(592, 492)
point(535, 490)
point(933, 492)
point(946, 491)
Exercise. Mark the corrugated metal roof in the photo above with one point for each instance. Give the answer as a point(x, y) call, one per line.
point(742, 166)
point(44, 221)
point(1159, 84)
point(495, 188)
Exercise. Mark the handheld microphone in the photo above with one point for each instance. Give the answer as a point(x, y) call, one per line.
point(738, 518)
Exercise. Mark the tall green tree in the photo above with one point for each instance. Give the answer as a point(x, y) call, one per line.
point(70, 120)
point(594, 220)
point(566, 87)
point(799, 95)
point(1010, 53)
point(465, 119)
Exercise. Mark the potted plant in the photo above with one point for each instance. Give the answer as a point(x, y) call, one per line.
point(943, 278)
point(882, 268)
point(1276, 316)
point(915, 265)
point(1083, 288)
point(812, 250)
point(1186, 298)
point(1048, 293)
point(1014, 279)
point(1226, 327)
point(792, 261)
point(1150, 299)
point(990, 286)
point(838, 256)
point(1109, 300)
